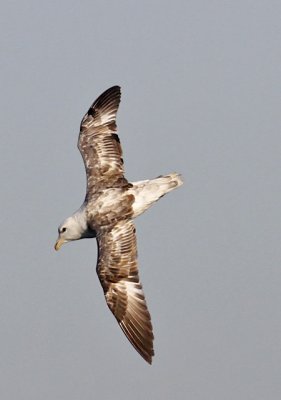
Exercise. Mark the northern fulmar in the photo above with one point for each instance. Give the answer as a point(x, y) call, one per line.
point(107, 214)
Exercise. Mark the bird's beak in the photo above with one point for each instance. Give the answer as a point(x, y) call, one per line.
point(59, 243)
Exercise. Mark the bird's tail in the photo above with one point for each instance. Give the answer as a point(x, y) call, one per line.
point(149, 191)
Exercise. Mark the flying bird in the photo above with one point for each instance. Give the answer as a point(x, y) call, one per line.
point(107, 214)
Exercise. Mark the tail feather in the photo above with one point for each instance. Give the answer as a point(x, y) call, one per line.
point(149, 191)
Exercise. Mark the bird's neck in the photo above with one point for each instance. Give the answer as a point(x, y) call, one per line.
point(80, 218)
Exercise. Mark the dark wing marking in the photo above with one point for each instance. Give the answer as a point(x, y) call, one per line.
point(99, 143)
point(118, 273)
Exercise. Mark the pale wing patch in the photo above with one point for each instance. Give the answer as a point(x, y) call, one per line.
point(98, 119)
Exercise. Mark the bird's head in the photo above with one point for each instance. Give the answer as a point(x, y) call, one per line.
point(73, 228)
point(68, 230)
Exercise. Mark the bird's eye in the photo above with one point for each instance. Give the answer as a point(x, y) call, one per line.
point(63, 229)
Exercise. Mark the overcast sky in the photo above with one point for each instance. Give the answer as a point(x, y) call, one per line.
point(201, 96)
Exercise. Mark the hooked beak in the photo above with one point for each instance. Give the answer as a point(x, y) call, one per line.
point(59, 243)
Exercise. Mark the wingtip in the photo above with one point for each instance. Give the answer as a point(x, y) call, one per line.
point(113, 89)
point(106, 104)
point(148, 360)
point(117, 87)
point(147, 356)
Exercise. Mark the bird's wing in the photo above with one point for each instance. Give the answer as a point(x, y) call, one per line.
point(117, 269)
point(99, 143)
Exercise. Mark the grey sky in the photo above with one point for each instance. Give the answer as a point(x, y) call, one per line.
point(200, 95)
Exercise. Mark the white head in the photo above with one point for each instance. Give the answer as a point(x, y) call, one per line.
point(73, 228)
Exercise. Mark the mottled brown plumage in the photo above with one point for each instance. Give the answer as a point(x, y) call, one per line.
point(99, 144)
point(118, 273)
point(107, 212)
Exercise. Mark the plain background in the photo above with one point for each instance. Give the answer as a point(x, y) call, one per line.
point(200, 95)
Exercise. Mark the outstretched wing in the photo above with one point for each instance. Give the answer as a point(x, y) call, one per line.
point(118, 273)
point(99, 143)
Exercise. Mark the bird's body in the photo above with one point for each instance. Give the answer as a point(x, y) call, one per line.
point(110, 205)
